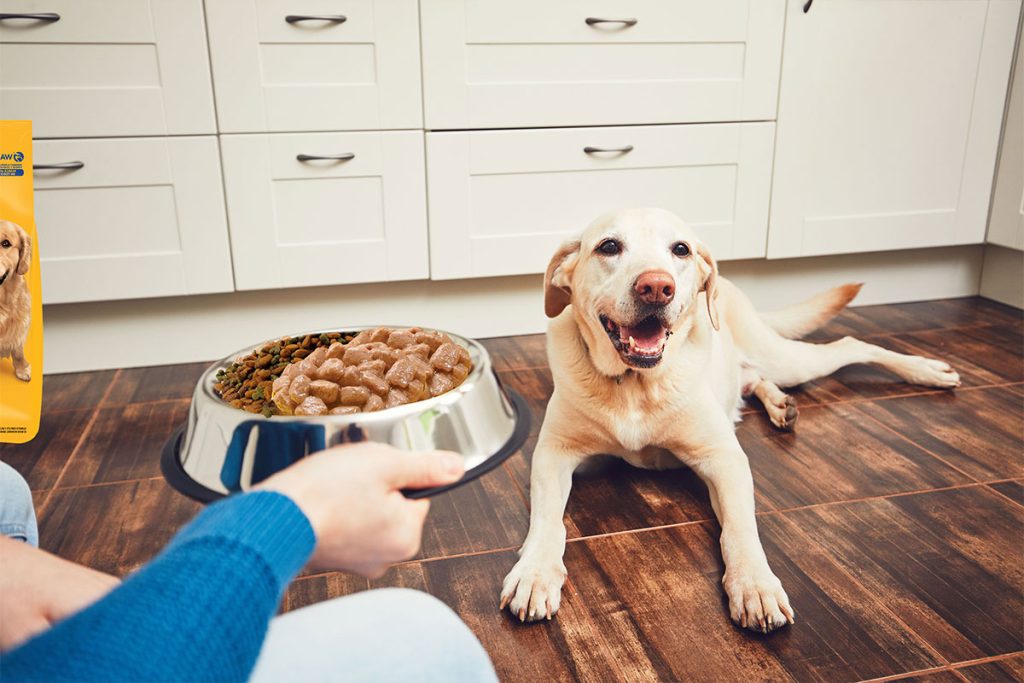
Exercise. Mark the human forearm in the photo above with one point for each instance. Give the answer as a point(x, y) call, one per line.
point(197, 612)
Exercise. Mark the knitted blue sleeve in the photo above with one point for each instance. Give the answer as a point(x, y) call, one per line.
point(198, 612)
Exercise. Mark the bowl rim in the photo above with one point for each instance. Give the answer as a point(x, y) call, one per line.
point(478, 354)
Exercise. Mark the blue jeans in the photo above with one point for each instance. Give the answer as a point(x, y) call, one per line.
point(17, 516)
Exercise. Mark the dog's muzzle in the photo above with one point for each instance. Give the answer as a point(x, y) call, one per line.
point(3, 278)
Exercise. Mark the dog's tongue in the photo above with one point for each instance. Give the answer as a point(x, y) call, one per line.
point(647, 334)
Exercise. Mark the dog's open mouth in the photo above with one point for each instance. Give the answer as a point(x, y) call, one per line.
point(640, 344)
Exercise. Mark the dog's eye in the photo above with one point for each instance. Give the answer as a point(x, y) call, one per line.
point(5, 244)
point(680, 249)
point(610, 247)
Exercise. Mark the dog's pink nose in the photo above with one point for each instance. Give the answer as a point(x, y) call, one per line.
point(655, 287)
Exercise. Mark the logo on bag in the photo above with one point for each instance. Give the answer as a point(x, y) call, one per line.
point(7, 168)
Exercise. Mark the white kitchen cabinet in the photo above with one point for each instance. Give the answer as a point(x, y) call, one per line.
point(502, 201)
point(358, 217)
point(1006, 221)
point(315, 65)
point(106, 67)
point(889, 119)
point(533, 63)
point(140, 217)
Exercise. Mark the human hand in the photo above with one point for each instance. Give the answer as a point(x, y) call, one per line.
point(38, 589)
point(352, 497)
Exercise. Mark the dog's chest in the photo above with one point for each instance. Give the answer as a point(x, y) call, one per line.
point(636, 418)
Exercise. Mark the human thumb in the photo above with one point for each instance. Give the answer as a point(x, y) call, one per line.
point(426, 469)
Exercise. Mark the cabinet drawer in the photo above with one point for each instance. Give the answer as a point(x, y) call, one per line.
point(326, 222)
point(533, 63)
point(107, 67)
point(502, 201)
point(359, 71)
point(143, 217)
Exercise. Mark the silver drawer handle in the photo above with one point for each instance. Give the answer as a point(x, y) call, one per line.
point(616, 150)
point(592, 21)
point(62, 166)
point(37, 16)
point(329, 157)
point(333, 18)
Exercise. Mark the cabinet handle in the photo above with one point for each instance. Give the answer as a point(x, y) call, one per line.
point(591, 21)
point(328, 157)
point(617, 150)
point(807, 6)
point(62, 166)
point(39, 16)
point(333, 18)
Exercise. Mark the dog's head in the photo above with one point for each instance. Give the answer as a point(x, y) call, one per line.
point(15, 250)
point(633, 278)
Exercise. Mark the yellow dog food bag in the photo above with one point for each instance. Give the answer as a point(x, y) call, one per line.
point(21, 304)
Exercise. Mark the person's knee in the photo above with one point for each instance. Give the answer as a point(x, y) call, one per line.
point(17, 515)
point(444, 640)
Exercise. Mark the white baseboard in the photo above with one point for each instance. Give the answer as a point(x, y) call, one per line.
point(124, 334)
point(1002, 277)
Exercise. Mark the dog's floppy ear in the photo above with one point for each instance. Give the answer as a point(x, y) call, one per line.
point(710, 284)
point(556, 280)
point(24, 251)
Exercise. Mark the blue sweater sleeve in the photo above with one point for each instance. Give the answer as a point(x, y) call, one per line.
point(198, 612)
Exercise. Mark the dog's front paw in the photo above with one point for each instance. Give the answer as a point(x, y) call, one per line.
point(533, 590)
point(757, 600)
point(24, 373)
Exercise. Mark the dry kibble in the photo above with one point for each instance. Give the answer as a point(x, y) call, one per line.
point(374, 403)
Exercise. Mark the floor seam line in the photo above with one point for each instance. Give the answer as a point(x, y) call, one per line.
point(81, 439)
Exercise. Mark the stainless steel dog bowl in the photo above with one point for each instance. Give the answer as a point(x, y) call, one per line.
point(221, 450)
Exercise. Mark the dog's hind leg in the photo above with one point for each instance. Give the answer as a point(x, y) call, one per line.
point(788, 363)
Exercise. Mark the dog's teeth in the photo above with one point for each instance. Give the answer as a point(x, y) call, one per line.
point(632, 343)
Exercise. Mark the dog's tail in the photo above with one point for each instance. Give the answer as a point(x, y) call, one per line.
point(802, 319)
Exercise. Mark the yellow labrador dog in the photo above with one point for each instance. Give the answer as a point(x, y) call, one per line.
point(651, 351)
point(15, 301)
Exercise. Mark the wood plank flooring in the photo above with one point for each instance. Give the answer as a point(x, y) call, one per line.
point(894, 516)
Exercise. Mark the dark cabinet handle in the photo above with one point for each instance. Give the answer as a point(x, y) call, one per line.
point(62, 166)
point(38, 16)
point(592, 21)
point(807, 6)
point(326, 157)
point(333, 18)
point(617, 150)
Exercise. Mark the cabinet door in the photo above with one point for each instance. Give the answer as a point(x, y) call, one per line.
point(889, 118)
point(106, 67)
point(502, 201)
point(358, 218)
point(1006, 222)
point(357, 69)
point(533, 63)
point(142, 217)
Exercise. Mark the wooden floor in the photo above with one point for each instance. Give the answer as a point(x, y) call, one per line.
point(894, 516)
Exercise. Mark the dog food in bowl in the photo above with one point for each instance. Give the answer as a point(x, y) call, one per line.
point(246, 383)
point(380, 368)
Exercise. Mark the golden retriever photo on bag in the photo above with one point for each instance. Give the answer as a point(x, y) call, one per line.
point(15, 300)
point(651, 353)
